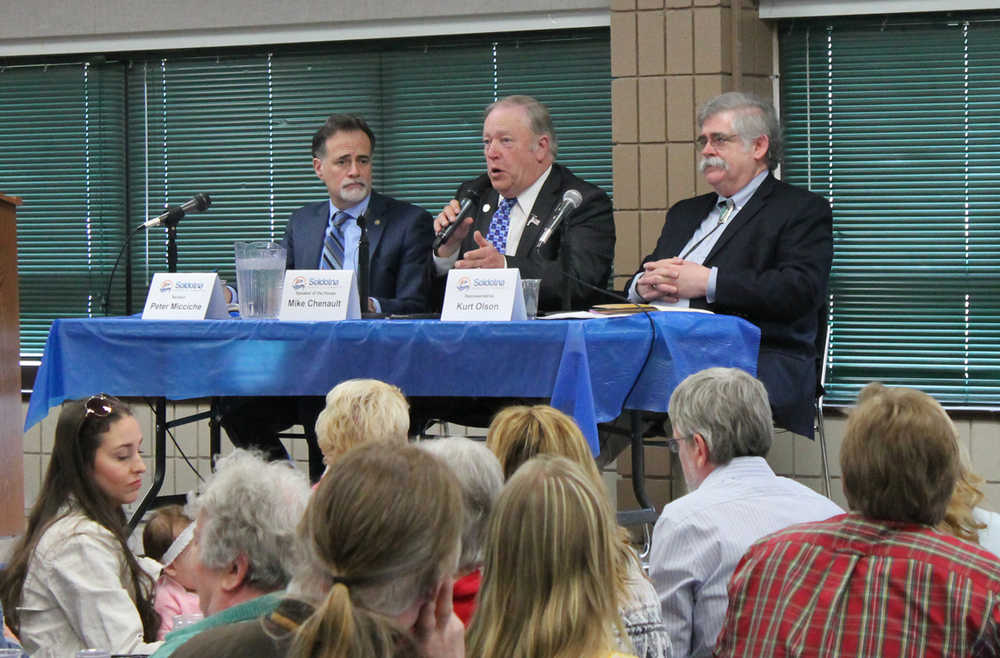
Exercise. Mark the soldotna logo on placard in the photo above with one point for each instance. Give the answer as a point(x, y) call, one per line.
point(298, 283)
point(333, 283)
point(489, 283)
point(464, 283)
point(166, 285)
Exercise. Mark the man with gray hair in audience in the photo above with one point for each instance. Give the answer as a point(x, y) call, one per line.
point(481, 478)
point(722, 432)
point(246, 516)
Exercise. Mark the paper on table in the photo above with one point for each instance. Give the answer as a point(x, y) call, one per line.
point(609, 312)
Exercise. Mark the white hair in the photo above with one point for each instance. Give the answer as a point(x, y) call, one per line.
point(251, 507)
point(481, 477)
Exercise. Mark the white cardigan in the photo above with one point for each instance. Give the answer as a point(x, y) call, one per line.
point(76, 593)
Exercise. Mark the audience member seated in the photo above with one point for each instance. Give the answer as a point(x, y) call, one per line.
point(245, 519)
point(519, 433)
point(381, 535)
point(72, 583)
point(360, 410)
point(167, 539)
point(481, 479)
point(550, 585)
point(963, 518)
point(880, 580)
point(722, 432)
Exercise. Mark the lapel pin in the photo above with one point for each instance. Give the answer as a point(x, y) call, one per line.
point(533, 220)
point(486, 207)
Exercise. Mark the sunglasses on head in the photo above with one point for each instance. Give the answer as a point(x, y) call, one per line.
point(98, 405)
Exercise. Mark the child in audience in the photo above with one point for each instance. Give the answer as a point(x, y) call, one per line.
point(167, 539)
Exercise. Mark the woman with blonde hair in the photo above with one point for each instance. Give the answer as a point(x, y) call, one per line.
point(358, 411)
point(549, 586)
point(518, 434)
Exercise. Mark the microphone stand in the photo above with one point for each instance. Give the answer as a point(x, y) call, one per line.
point(363, 264)
point(564, 252)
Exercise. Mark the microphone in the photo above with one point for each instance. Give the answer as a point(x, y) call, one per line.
point(468, 205)
point(571, 201)
point(197, 203)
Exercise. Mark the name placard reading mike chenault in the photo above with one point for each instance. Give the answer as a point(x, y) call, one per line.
point(483, 296)
point(319, 295)
point(185, 296)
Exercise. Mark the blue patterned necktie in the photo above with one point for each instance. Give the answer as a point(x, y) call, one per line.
point(333, 244)
point(500, 224)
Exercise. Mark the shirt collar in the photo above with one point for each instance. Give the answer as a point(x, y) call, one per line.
point(741, 197)
point(526, 199)
point(354, 211)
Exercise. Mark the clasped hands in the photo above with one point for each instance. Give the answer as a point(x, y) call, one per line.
point(486, 256)
point(671, 279)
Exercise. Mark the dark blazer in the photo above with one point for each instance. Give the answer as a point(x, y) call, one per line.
point(592, 244)
point(774, 267)
point(399, 237)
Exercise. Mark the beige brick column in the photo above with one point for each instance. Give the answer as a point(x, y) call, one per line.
point(667, 58)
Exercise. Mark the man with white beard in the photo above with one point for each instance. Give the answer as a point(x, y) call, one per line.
point(326, 235)
point(721, 435)
point(757, 248)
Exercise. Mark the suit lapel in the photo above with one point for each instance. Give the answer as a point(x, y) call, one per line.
point(744, 216)
point(541, 211)
point(376, 222)
point(312, 250)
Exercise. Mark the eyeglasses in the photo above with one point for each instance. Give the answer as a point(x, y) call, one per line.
point(717, 140)
point(675, 444)
point(98, 405)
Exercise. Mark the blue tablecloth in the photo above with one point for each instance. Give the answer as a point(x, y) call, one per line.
point(586, 367)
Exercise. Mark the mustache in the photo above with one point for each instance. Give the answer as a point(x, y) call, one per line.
point(712, 161)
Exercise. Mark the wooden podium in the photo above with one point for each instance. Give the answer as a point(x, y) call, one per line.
point(11, 421)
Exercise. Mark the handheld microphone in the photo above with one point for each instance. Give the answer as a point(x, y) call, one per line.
point(468, 205)
point(197, 203)
point(571, 201)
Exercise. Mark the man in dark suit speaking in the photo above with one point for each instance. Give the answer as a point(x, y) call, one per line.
point(756, 247)
point(326, 235)
point(517, 196)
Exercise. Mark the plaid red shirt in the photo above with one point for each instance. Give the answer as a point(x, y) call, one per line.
point(851, 586)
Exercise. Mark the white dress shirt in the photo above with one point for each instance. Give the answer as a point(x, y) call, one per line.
point(520, 213)
point(76, 593)
point(700, 537)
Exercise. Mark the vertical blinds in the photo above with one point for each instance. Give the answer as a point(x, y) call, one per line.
point(237, 124)
point(894, 120)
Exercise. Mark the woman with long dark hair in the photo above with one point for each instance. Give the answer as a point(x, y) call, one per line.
point(72, 583)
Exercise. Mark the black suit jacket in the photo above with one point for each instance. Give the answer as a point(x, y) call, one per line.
point(592, 239)
point(774, 267)
point(399, 236)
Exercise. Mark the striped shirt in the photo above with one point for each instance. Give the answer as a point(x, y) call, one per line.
point(852, 586)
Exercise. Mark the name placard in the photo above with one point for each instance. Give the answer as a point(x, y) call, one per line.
point(483, 295)
point(323, 295)
point(185, 296)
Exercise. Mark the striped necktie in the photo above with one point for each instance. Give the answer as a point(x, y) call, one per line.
point(500, 224)
point(333, 244)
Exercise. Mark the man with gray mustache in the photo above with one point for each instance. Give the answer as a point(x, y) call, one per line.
point(757, 248)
